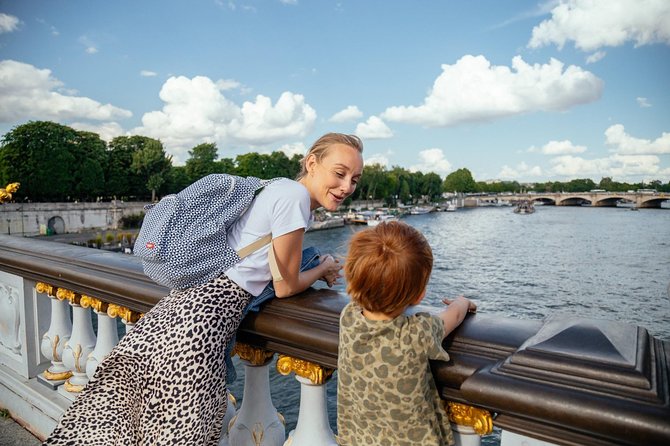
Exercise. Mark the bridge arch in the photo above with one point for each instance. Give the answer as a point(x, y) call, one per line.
point(56, 225)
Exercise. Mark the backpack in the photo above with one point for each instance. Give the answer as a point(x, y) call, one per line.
point(183, 239)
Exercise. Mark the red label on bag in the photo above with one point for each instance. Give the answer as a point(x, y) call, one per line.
point(150, 245)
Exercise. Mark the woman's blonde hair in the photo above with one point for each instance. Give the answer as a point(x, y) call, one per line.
point(321, 146)
point(387, 267)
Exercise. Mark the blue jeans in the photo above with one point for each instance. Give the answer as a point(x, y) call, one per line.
point(310, 259)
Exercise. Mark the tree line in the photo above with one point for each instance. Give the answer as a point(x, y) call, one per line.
point(54, 162)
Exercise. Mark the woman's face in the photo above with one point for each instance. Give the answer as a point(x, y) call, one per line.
point(334, 178)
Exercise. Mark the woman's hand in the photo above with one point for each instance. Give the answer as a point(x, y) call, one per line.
point(472, 307)
point(332, 267)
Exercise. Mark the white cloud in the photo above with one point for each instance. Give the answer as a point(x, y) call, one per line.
point(289, 2)
point(615, 166)
point(106, 130)
point(432, 160)
point(558, 148)
point(373, 128)
point(147, 73)
point(521, 171)
point(643, 102)
point(474, 90)
point(90, 47)
point(292, 149)
point(624, 144)
point(351, 113)
point(377, 158)
point(31, 93)
point(593, 24)
point(196, 110)
point(8, 23)
point(227, 84)
point(595, 57)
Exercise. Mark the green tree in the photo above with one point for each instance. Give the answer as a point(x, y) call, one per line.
point(39, 155)
point(460, 181)
point(431, 186)
point(202, 161)
point(251, 164)
point(152, 163)
point(122, 180)
point(88, 179)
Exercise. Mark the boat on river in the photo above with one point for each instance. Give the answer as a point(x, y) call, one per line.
point(379, 218)
point(524, 207)
point(419, 210)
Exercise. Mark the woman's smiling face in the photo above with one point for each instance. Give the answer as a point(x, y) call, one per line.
point(332, 179)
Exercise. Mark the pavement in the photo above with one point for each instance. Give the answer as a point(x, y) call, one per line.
point(12, 434)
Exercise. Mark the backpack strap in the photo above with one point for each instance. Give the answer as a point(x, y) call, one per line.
point(255, 246)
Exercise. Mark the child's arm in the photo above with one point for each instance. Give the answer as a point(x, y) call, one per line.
point(454, 314)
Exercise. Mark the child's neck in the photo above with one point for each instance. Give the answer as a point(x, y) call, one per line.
point(379, 316)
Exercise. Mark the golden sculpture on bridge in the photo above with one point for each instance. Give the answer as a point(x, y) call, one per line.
point(6, 193)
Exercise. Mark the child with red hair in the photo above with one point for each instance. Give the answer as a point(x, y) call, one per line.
point(386, 394)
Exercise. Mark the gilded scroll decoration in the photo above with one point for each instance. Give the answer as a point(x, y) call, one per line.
point(253, 355)
point(63, 294)
point(479, 419)
point(314, 372)
point(7, 191)
point(124, 313)
point(95, 303)
point(45, 288)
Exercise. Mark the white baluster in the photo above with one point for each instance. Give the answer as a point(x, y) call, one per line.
point(312, 427)
point(77, 349)
point(465, 435)
point(257, 422)
point(231, 412)
point(108, 335)
point(53, 341)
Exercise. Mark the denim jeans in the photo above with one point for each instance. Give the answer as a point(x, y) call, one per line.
point(310, 259)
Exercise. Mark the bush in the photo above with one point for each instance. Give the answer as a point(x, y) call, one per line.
point(131, 221)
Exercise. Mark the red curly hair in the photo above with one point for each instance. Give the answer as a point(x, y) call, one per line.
point(387, 267)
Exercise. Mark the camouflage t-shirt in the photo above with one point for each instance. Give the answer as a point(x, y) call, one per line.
point(386, 394)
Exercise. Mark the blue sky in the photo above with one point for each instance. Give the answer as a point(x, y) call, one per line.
point(512, 90)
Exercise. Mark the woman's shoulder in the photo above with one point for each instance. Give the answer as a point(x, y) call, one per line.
point(286, 186)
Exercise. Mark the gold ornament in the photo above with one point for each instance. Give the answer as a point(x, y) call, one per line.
point(45, 288)
point(6, 193)
point(96, 304)
point(63, 294)
point(124, 313)
point(479, 419)
point(255, 356)
point(314, 372)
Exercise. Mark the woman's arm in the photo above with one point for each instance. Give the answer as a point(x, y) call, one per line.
point(288, 253)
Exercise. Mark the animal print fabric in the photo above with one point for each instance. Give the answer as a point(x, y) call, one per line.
point(164, 383)
point(386, 395)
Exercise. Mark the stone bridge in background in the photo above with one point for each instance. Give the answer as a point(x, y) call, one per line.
point(597, 199)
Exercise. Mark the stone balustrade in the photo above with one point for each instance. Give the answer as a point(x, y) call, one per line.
point(558, 381)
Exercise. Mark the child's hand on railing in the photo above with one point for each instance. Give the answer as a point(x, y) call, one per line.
point(472, 307)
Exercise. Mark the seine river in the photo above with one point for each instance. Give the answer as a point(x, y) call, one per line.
point(603, 263)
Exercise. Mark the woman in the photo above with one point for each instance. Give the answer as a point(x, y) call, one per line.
point(165, 382)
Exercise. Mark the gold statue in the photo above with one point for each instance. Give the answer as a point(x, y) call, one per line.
point(6, 193)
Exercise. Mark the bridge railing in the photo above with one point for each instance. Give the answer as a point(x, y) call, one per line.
point(558, 381)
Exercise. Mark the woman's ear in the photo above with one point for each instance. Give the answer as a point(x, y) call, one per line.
point(310, 163)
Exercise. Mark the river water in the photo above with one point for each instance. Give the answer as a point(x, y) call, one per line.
point(603, 263)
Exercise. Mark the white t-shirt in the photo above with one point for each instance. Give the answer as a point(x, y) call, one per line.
point(280, 208)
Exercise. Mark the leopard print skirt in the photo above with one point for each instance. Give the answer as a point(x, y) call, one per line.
point(165, 382)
